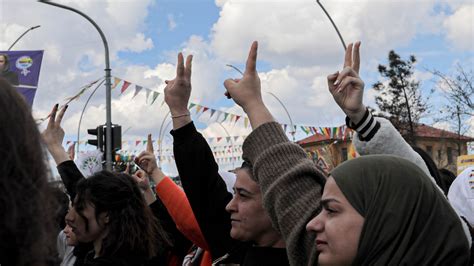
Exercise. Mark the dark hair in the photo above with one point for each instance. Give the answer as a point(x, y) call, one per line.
point(61, 201)
point(447, 177)
point(432, 168)
point(133, 230)
point(26, 224)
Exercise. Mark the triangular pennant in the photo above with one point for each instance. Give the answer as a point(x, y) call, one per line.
point(225, 117)
point(205, 109)
point(137, 90)
point(227, 139)
point(236, 137)
point(198, 108)
point(137, 142)
point(116, 82)
point(237, 117)
point(246, 122)
point(219, 138)
point(125, 86)
point(155, 95)
point(212, 112)
point(191, 105)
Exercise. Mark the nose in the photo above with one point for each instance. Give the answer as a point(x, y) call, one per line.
point(316, 224)
point(231, 206)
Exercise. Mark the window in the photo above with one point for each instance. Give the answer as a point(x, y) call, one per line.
point(344, 154)
point(439, 155)
point(450, 155)
point(429, 150)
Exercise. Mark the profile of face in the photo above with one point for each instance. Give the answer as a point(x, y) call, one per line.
point(338, 227)
point(249, 220)
point(3, 62)
point(71, 239)
point(87, 227)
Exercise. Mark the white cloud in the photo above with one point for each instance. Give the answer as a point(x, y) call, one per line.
point(460, 27)
point(299, 33)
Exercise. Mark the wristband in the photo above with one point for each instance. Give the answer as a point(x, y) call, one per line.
point(181, 115)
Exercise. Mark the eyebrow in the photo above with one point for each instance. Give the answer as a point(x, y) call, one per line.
point(325, 202)
point(240, 190)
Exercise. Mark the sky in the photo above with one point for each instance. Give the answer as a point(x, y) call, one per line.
point(298, 48)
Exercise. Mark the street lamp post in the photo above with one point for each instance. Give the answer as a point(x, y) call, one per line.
point(21, 36)
point(333, 24)
point(108, 84)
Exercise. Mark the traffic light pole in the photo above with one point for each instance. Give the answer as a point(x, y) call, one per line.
point(108, 84)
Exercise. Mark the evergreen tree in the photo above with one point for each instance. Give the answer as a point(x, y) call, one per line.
point(400, 97)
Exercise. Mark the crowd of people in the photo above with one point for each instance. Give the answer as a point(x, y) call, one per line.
point(389, 206)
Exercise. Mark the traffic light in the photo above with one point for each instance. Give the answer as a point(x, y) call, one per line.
point(99, 141)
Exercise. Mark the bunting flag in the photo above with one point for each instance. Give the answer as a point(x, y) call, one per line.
point(155, 95)
point(137, 90)
point(205, 109)
point(191, 105)
point(116, 82)
point(147, 95)
point(198, 108)
point(125, 86)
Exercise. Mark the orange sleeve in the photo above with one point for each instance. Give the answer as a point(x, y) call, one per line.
point(177, 204)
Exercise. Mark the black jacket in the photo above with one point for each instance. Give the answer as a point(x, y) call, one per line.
point(208, 196)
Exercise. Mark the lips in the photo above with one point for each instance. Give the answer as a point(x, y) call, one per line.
point(320, 244)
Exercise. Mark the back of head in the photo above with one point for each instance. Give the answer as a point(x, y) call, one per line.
point(431, 165)
point(447, 177)
point(26, 231)
point(406, 219)
point(133, 231)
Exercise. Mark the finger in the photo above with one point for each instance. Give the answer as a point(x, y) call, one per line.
point(180, 66)
point(331, 79)
point(251, 65)
point(229, 84)
point(348, 56)
point(61, 115)
point(347, 71)
point(52, 115)
point(149, 144)
point(189, 65)
point(349, 81)
point(356, 57)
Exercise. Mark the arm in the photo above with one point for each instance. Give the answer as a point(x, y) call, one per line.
point(290, 182)
point(374, 136)
point(205, 189)
point(53, 137)
point(175, 201)
point(173, 198)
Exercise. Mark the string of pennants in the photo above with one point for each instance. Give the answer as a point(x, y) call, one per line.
point(214, 114)
point(221, 116)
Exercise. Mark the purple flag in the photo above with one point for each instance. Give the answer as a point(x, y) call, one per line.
point(22, 69)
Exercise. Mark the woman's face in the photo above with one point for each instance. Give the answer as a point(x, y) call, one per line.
point(71, 239)
point(88, 227)
point(338, 227)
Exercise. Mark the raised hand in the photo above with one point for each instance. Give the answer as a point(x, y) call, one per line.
point(53, 135)
point(246, 92)
point(346, 86)
point(142, 180)
point(178, 90)
point(146, 160)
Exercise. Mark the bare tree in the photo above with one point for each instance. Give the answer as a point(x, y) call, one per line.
point(458, 90)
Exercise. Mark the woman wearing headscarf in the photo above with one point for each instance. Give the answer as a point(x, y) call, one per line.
point(292, 186)
point(384, 210)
